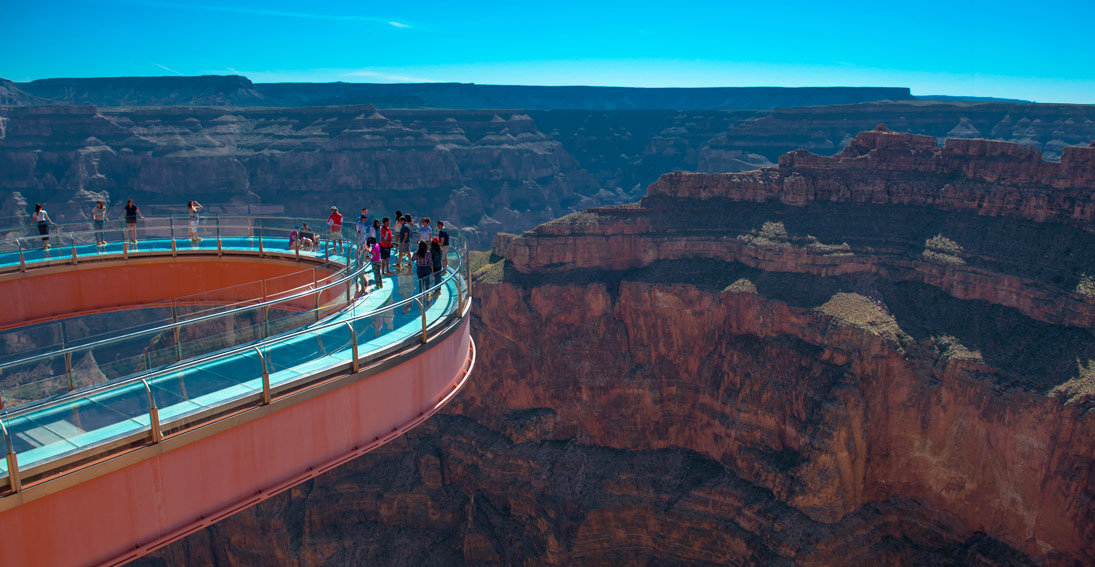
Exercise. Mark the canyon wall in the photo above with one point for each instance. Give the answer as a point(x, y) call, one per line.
point(835, 361)
point(483, 171)
point(476, 169)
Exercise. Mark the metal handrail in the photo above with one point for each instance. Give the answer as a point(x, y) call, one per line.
point(24, 409)
point(13, 460)
point(171, 326)
point(66, 226)
point(168, 223)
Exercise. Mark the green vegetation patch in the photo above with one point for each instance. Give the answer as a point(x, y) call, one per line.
point(486, 267)
point(816, 246)
point(771, 233)
point(951, 348)
point(862, 312)
point(742, 285)
point(942, 249)
point(1086, 285)
point(1079, 387)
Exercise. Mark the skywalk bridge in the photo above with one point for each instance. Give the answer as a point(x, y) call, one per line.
point(253, 367)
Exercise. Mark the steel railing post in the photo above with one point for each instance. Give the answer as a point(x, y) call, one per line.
point(422, 308)
point(68, 370)
point(125, 249)
point(153, 414)
point(315, 290)
point(353, 346)
point(13, 461)
point(74, 260)
point(265, 377)
point(178, 345)
point(22, 259)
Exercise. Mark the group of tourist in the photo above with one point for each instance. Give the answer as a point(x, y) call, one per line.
point(98, 220)
point(377, 240)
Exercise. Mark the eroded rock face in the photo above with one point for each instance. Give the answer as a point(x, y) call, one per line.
point(483, 174)
point(721, 376)
point(482, 171)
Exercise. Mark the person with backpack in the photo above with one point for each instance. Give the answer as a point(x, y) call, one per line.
point(424, 266)
point(374, 257)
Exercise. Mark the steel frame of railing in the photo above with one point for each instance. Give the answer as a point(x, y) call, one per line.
point(461, 273)
point(317, 290)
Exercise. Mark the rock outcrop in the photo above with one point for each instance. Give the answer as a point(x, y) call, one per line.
point(830, 362)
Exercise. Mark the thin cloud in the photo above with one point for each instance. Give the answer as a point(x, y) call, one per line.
point(366, 73)
point(166, 68)
point(276, 13)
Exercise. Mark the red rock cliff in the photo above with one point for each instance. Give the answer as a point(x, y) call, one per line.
point(720, 375)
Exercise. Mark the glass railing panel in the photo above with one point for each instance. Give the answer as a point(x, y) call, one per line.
point(88, 421)
point(288, 359)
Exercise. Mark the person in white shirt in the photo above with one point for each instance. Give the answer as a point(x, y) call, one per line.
point(425, 234)
point(41, 218)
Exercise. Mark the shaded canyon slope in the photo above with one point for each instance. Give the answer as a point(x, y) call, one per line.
point(883, 357)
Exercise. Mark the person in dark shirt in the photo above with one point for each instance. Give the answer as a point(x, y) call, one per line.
point(131, 215)
point(435, 261)
point(405, 243)
point(444, 238)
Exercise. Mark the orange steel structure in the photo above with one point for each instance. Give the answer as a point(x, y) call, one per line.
point(68, 291)
point(116, 510)
point(127, 504)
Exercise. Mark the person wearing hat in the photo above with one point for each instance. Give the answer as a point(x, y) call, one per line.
point(334, 224)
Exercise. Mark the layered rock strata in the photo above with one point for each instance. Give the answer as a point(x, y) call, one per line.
point(482, 171)
point(830, 362)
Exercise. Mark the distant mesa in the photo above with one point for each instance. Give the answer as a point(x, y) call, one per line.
point(234, 90)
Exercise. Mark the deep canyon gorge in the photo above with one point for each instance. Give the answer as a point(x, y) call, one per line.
point(883, 357)
point(744, 327)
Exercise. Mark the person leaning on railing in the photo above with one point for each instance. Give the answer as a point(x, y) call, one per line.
point(41, 218)
point(132, 213)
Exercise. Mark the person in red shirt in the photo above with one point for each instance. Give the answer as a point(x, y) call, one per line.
point(334, 223)
point(386, 247)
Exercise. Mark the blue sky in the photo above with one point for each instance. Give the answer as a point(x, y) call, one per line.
point(1033, 51)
